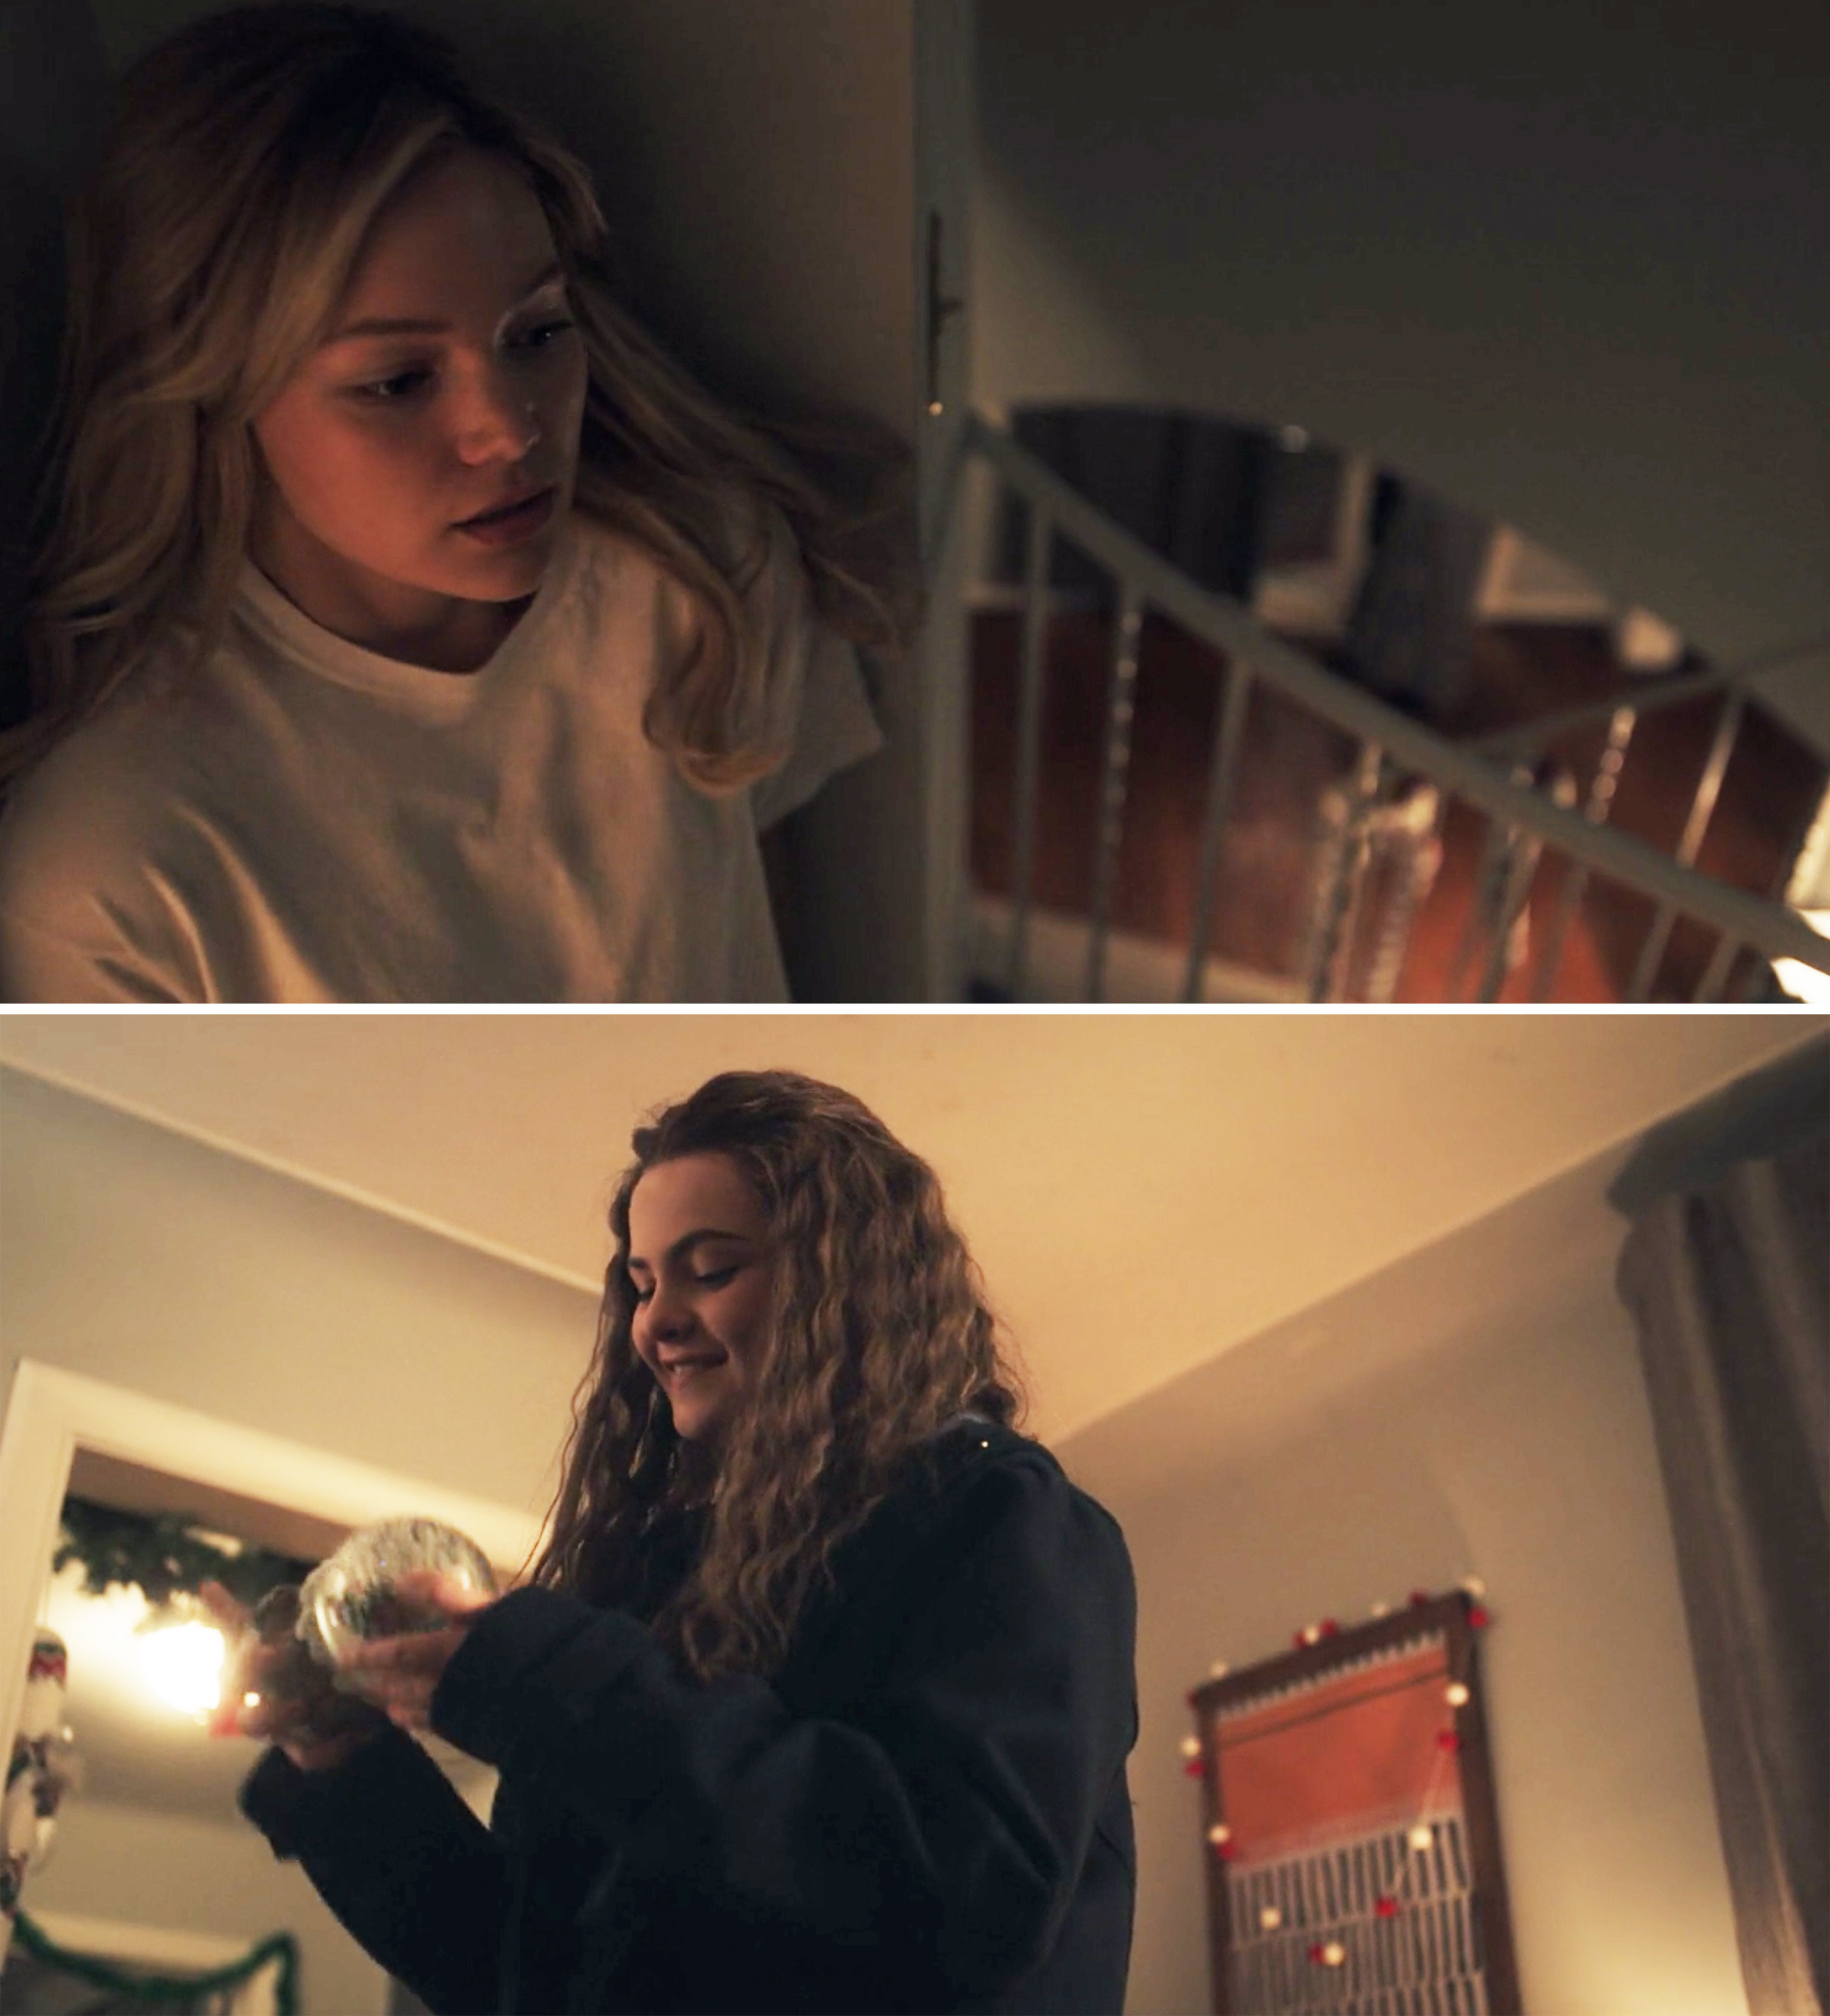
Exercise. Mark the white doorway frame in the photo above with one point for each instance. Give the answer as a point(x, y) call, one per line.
point(51, 1413)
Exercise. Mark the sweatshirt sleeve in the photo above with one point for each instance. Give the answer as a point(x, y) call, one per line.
point(410, 1872)
point(936, 1831)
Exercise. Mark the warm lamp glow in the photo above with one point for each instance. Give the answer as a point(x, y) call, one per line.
point(182, 1664)
point(1804, 982)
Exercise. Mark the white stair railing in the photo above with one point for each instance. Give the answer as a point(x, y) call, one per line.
point(1393, 807)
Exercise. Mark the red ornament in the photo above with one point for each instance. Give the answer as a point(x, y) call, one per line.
point(1387, 1907)
point(1330, 1628)
point(1315, 1953)
point(1196, 1767)
point(1446, 1739)
point(1478, 1618)
point(1300, 1640)
point(1419, 1596)
point(1227, 1850)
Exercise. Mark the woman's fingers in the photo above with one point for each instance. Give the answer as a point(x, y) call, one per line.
point(233, 1616)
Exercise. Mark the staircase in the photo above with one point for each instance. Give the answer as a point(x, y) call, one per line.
point(1170, 800)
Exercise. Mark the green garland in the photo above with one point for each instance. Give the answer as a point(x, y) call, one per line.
point(172, 1988)
point(166, 1557)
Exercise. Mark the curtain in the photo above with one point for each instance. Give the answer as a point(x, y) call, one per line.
point(1725, 1269)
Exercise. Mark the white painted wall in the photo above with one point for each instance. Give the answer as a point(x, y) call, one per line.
point(1549, 261)
point(1476, 1409)
point(126, 1863)
point(135, 1256)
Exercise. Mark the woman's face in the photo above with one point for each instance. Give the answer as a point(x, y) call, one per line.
point(702, 1267)
point(380, 443)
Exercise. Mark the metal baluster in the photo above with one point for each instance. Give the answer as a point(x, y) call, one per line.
point(1523, 850)
point(1029, 745)
point(1220, 801)
point(1330, 843)
point(1509, 894)
point(1121, 704)
point(1701, 805)
point(1339, 904)
point(1785, 889)
point(1413, 828)
point(1709, 987)
point(1575, 876)
point(1490, 884)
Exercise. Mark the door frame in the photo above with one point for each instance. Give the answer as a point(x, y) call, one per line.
point(946, 140)
point(52, 1412)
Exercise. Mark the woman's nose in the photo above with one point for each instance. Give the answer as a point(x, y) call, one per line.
point(668, 1318)
point(500, 416)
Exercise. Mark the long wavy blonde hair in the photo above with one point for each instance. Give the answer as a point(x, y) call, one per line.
point(879, 1334)
point(205, 254)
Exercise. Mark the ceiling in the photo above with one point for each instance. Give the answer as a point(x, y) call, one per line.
point(1179, 1181)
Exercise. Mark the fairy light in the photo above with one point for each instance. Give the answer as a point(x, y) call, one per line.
point(182, 1664)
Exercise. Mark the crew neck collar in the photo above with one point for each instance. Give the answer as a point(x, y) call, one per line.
point(439, 696)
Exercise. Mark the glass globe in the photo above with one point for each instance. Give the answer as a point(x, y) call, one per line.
point(352, 1594)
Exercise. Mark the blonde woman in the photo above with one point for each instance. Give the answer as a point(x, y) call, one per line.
point(820, 1695)
point(301, 728)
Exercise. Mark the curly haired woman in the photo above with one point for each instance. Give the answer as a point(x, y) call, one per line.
point(820, 1695)
point(300, 727)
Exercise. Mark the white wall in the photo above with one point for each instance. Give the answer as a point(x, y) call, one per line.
point(1476, 1409)
point(143, 1868)
point(130, 1254)
point(1552, 262)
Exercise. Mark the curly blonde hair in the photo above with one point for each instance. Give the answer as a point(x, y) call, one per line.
point(879, 1334)
point(205, 254)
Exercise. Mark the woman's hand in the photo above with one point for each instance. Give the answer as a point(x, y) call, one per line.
point(400, 1675)
point(274, 1690)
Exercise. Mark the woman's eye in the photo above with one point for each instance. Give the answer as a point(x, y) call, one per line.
point(385, 391)
point(715, 1280)
point(642, 1294)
